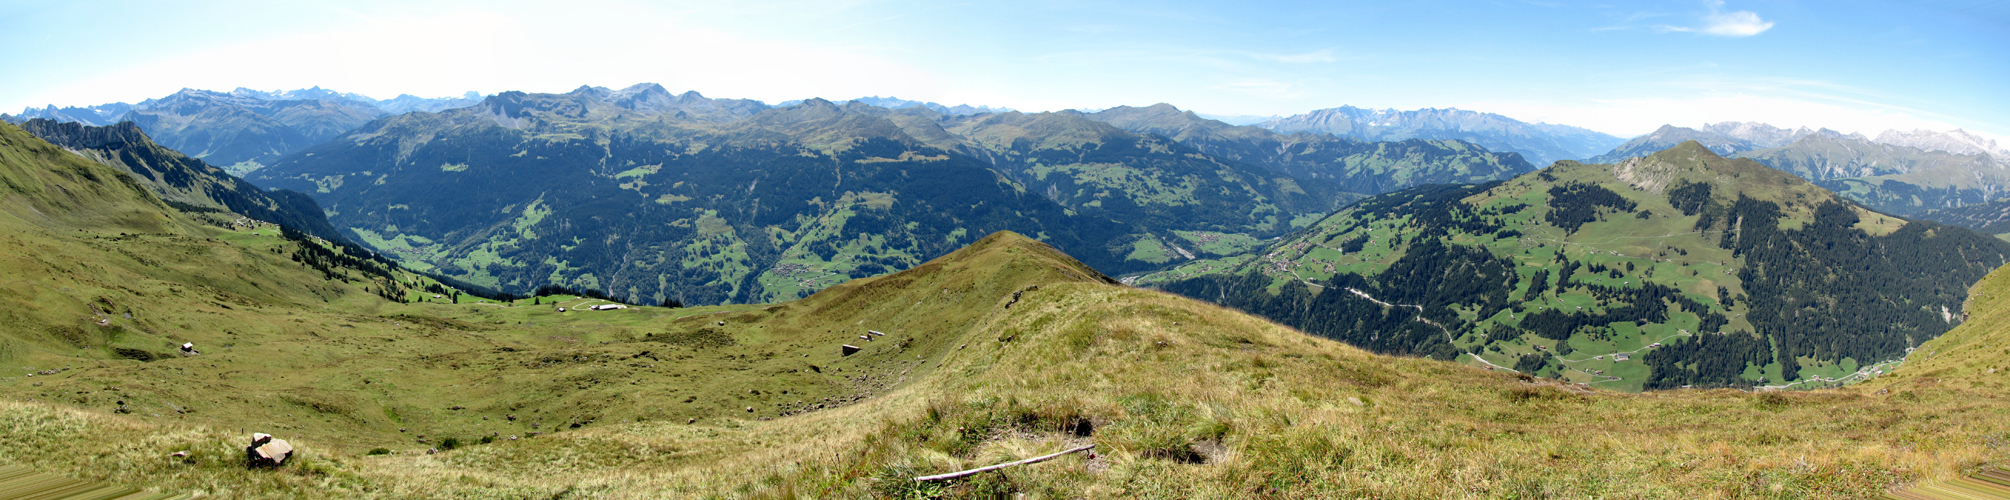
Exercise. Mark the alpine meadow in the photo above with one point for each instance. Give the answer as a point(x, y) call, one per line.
point(1715, 249)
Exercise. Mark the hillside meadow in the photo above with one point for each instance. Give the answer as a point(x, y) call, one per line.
point(1182, 400)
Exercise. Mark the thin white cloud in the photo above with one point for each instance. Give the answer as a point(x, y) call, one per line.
point(1317, 56)
point(1737, 24)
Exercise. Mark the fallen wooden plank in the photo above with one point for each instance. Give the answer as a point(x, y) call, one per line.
point(980, 470)
point(17, 482)
point(1987, 485)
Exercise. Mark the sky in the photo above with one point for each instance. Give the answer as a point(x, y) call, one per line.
point(1623, 68)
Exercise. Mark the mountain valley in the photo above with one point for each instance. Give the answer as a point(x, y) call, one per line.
point(653, 196)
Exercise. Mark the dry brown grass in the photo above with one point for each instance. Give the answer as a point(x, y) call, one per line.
point(1182, 398)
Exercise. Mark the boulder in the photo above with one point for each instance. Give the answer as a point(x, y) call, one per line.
point(266, 452)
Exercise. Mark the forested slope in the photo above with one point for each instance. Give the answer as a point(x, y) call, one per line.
point(1699, 270)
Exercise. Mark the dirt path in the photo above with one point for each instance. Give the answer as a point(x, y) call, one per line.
point(1449, 339)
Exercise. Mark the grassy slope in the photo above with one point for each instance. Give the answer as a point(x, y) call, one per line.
point(961, 380)
point(964, 381)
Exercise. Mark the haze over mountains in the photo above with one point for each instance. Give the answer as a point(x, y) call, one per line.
point(245, 129)
point(1123, 209)
point(766, 203)
point(1903, 173)
point(1541, 143)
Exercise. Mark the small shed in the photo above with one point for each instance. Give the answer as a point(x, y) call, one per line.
point(848, 349)
point(609, 307)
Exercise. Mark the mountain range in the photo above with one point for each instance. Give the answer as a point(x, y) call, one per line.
point(403, 103)
point(897, 103)
point(1542, 143)
point(1355, 165)
point(244, 129)
point(1677, 269)
point(1904, 173)
point(652, 196)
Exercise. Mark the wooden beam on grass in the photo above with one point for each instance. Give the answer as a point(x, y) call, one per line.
point(980, 470)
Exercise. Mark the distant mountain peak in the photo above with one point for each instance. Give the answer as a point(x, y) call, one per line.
point(890, 102)
point(1542, 143)
point(817, 102)
point(1957, 141)
point(1690, 147)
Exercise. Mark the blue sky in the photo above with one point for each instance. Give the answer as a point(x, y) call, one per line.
point(1619, 67)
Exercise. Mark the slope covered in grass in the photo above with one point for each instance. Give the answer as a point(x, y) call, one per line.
point(180, 179)
point(1003, 350)
point(1008, 349)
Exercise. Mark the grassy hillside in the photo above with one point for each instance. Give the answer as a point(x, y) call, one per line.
point(179, 179)
point(1001, 351)
point(1677, 269)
